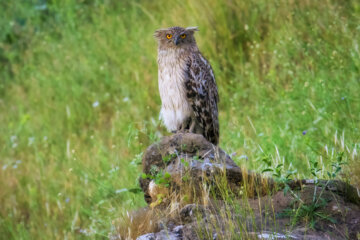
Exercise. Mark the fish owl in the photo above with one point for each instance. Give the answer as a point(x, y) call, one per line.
point(187, 86)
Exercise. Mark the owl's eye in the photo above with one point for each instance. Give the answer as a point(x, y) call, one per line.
point(168, 36)
point(183, 36)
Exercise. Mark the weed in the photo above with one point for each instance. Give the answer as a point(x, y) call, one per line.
point(160, 178)
point(310, 213)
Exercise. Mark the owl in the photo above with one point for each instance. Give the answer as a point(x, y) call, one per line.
point(187, 86)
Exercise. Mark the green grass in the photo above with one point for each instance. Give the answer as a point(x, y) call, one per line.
point(79, 99)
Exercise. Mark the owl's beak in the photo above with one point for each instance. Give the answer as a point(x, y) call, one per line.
point(177, 41)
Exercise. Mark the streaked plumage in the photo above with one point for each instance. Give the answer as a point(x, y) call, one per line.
point(187, 85)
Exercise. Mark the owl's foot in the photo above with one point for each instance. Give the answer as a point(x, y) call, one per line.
point(180, 130)
point(188, 127)
point(184, 127)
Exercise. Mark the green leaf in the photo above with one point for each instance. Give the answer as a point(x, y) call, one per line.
point(333, 220)
point(277, 175)
point(135, 190)
point(306, 208)
point(266, 160)
point(279, 165)
point(167, 175)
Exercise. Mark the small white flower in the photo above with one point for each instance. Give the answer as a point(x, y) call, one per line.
point(113, 169)
point(121, 190)
point(13, 138)
point(95, 104)
point(126, 99)
point(31, 140)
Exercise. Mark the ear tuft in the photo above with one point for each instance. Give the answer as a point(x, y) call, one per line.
point(192, 29)
point(157, 33)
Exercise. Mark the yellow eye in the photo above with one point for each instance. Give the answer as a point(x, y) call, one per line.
point(183, 36)
point(168, 36)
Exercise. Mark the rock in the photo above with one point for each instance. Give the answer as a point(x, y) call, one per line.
point(187, 156)
point(224, 201)
point(191, 212)
point(148, 236)
point(171, 234)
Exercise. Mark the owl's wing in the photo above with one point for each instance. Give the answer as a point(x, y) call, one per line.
point(202, 94)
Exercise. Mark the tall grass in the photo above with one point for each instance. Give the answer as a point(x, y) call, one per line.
point(79, 100)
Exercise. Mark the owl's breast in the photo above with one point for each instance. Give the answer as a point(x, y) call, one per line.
point(172, 86)
point(175, 107)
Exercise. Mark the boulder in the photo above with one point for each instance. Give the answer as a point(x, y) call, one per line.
point(191, 160)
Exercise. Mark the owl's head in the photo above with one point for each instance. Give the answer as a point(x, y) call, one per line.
point(176, 37)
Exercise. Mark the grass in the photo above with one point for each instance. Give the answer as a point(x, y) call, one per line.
point(79, 100)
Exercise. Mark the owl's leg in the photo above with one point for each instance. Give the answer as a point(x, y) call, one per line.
point(182, 128)
point(192, 125)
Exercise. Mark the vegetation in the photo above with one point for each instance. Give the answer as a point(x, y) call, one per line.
point(79, 100)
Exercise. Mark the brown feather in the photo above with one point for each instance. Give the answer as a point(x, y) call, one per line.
point(203, 95)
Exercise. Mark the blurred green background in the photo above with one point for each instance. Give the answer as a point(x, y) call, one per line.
point(79, 101)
